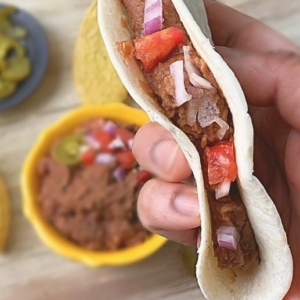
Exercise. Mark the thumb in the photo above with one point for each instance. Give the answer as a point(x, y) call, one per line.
point(268, 79)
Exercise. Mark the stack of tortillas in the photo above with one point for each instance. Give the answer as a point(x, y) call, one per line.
point(95, 78)
point(4, 214)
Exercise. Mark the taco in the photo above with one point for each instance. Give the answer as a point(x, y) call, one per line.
point(173, 72)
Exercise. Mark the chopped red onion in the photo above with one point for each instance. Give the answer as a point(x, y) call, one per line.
point(228, 237)
point(117, 143)
point(222, 189)
point(119, 174)
point(208, 113)
point(105, 158)
point(199, 81)
point(223, 127)
point(181, 96)
point(92, 142)
point(153, 26)
point(192, 71)
point(110, 127)
point(153, 16)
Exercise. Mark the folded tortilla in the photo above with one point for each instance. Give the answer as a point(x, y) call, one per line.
point(271, 278)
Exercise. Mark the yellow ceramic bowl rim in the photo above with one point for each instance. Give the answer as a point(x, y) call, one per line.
point(117, 112)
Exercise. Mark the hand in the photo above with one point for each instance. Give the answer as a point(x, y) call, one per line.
point(268, 68)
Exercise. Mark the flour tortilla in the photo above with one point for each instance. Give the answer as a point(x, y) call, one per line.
point(270, 279)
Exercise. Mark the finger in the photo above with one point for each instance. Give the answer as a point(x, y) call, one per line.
point(156, 151)
point(189, 237)
point(292, 166)
point(268, 79)
point(233, 29)
point(170, 209)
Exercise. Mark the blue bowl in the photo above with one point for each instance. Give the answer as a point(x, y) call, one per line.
point(37, 52)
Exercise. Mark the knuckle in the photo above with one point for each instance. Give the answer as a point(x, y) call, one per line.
point(153, 202)
point(145, 205)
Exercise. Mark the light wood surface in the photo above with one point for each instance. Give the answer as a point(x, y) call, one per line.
point(29, 270)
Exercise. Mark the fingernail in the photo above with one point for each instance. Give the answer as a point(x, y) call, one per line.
point(186, 203)
point(164, 153)
point(229, 52)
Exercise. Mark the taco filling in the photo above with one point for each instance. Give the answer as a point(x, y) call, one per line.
point(189, 95)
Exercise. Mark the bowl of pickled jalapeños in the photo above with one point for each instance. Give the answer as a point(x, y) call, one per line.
point(80, 184)
point(23, 55)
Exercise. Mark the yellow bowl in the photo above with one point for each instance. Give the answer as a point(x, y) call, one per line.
point(30, 187)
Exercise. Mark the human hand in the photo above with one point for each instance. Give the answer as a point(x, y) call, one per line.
point(268, 68)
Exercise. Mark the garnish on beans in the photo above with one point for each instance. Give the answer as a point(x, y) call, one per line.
point(90, 182)
point(101, 142)
point(152, 49)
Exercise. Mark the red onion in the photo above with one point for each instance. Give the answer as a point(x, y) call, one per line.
point(223, 127)
point(119, 174)
point(208, 113)
point(222, 189)
point(192, 71)
point(181, 96)
point(228, 237)
point(110, 127)
point(105, 158)
point(153, 16)
point(92, 142)
point(117, 143)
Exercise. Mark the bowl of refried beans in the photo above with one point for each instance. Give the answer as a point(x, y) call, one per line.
point(80, 184)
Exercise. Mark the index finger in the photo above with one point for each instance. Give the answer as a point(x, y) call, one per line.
point(233, 29)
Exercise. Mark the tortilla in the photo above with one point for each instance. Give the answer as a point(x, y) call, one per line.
point(95, 78)
point(270, 279)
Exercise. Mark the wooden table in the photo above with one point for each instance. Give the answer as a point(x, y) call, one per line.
point(29, 270)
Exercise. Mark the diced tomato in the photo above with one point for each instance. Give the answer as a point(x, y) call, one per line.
point(221, 163)
point(143, 175)
point(104, 139)
point(124, 134)
point(125, 159)
point(88, 157)
point(152, 49)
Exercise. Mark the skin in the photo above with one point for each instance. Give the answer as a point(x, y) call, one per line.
point(268, 68)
